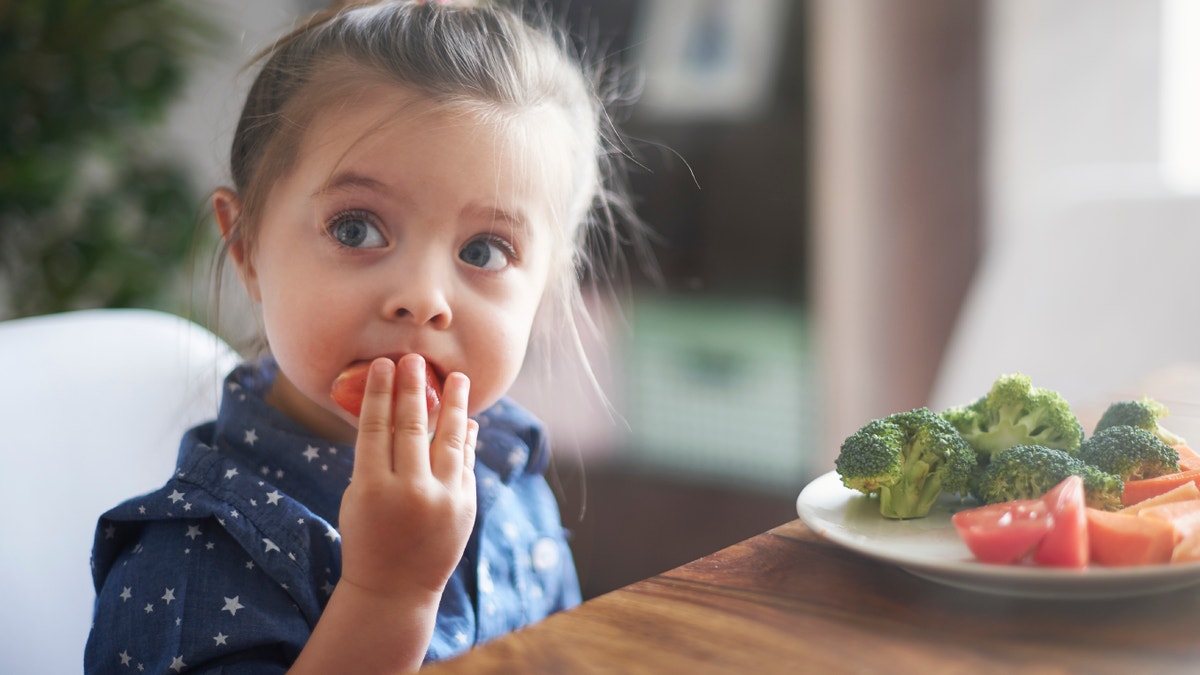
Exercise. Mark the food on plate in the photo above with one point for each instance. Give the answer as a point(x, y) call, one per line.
point(1184, 517)
point(1143, 413)
point(1014, 412)
point(1117, 539)
point(1162, 529)
point(1187, 550)
point(1132, 453)
point(1004, 533)
point(1181, 493)
point(1141, 490)
point(1051, 530)
point(1066, 544)
point(1036, 490)
point(1031, 471)
point(349, 387)
point(907, 460)
point(1188, 458)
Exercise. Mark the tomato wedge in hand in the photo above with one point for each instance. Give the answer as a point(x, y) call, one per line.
point(1006, 532)
point(350, 387)
point(1066, 544)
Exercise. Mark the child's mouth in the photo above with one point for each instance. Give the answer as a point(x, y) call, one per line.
point(349, 388)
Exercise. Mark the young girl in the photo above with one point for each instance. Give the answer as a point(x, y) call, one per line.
point(411, 182)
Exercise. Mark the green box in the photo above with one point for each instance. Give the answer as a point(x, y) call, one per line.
point(721, 391)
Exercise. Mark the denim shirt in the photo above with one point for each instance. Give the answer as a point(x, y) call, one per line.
point(228, 566)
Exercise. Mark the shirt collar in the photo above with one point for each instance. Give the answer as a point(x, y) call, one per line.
point(281, 451)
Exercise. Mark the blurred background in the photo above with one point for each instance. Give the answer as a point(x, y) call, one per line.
point(845, 193)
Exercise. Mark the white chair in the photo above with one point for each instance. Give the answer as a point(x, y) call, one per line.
point(1101, 295)
point(92, 407)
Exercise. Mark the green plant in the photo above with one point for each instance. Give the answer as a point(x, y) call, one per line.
point(93, 211)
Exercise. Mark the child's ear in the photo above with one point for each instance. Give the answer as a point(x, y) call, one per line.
point(227, 209)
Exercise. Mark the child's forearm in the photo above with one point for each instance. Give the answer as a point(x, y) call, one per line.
point(368, 633)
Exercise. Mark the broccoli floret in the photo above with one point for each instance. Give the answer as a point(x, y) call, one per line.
point(1144, 414)
point(1014, 412)
point(1029, 471)
point(907, 459)
point(1129, 452)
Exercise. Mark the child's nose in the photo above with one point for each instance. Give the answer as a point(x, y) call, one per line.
point(420, 297)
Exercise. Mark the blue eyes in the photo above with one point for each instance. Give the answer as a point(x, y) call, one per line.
point(357, 230)
point(486, 253)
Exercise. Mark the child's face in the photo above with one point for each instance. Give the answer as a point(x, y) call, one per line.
point(416, 235)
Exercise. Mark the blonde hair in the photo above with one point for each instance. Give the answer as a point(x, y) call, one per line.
point(484, 58)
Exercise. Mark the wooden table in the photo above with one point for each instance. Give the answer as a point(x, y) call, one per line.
point(787, 601)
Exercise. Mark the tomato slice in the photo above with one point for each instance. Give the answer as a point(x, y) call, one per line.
point(1006, 532)
point(1066, 544)
point(349, 388)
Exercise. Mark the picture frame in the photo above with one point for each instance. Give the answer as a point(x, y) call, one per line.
point(708, 59)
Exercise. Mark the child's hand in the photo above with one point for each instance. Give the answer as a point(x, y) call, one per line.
point(410, 507)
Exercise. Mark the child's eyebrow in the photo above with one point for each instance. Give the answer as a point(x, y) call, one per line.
point(494, 214)
point(514, 219)
point(346, 179)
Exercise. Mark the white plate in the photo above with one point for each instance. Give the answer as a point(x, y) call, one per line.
point(930, 548)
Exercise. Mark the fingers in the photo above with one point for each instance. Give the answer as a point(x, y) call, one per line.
point(373, 447)
point(469, 450)
point(454, 438)
point(411, 441)
point(393, 434)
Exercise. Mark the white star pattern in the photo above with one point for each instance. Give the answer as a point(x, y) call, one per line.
point(485, 577)
point(219, 490)
point(516, 457)
point(232, 605)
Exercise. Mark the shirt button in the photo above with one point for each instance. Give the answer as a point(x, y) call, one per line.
point(545, 554)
